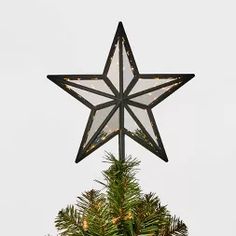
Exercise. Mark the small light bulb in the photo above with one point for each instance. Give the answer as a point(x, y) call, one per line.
point(85, 225)
point(68, 87)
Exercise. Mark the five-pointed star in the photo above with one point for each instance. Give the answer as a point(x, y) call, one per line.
point(121, 100)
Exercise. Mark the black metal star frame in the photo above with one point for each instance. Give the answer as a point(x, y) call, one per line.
point(121, 100)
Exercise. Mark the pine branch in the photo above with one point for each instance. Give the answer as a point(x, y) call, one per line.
point(175, 227)
point(96, 215)
point(150, 215)
point(68, 222)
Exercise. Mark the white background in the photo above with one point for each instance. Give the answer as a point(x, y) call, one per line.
point(41, 126)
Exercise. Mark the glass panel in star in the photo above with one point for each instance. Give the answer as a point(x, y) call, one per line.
point(136, 131)
point(93, 98)
point(98, 118)
point(109, 129)
point(143, 117)
point(127, 68)
point(113, 71)
point(146, 83)
point(150, 97)
point(93, 83)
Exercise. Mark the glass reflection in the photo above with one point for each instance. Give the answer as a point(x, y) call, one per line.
point(143, 83)
point(93, 98)
point(111, 127)
point(93, 83)
point(113, 72)
point(141, 135)
point(132, 127)
point(143, 117)
point(99, 117)
point(127, 69)
point(150, 97)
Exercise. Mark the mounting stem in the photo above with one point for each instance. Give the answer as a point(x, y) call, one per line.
point(121, 130)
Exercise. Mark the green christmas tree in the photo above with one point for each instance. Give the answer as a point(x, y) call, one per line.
point(119, 209)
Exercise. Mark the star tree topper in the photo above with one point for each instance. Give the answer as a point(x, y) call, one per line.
point(121, 100)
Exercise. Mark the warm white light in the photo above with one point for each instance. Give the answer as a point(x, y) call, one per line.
point(164, 88)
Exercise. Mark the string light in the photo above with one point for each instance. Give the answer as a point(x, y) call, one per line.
point(115, 220)
point(85, 225)
point(129, 216)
